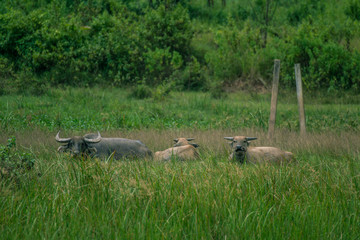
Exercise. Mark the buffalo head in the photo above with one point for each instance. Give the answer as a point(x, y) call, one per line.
point(239, 145)
point(78, 145)
point(184, 141)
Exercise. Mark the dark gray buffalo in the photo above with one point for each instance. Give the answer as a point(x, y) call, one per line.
point(95, 145)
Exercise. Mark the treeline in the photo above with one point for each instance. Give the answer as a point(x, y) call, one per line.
point(183, 44)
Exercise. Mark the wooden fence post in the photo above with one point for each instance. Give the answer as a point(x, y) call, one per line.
point(274, 95)
point(299, 94)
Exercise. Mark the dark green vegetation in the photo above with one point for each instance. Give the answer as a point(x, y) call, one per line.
point(13, 163)
point(210, 198)
point(187, 44)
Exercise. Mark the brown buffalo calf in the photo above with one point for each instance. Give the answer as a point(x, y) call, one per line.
point(182, 150)
point(243, 153)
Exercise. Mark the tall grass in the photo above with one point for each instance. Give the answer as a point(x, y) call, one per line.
point(210, 198)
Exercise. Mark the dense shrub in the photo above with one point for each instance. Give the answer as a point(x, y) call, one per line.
point(353, 10)
point(18, 36)
point(141, 91)
point(160, 63)
point(14, 163)
point(114, 49)
point(164, 28)
point(226, 61)
point(167, 34)
point(191, 78)
point(95, 46)
point(122, 43)
point(6, 74)
point(160, 92)
point(302, 9)
point(325, 63)
point(239, 55)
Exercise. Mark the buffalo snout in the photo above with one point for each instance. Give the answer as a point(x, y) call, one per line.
point(239, 148)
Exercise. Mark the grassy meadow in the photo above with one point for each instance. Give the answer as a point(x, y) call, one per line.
point(318, 197)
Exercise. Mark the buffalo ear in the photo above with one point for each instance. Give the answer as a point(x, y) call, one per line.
point(92, 150)
point(229, 138)
point(195, 145)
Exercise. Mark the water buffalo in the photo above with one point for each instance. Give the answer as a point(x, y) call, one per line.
point(95, 145)
point(243, 153)
point(182, 150)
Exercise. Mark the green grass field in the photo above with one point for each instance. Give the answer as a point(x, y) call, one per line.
point(112, 109)
point(318, 197)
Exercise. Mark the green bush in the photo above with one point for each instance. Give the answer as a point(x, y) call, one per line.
point(213, 15)
point(191, 78)
point(162, 91)
point(6, 75)
point(239, 55)
point(324, 62)
point(119, 43)
point(217, 91)
point(27, 83)
point(303, 9)
point(14, 163)
point(226, 62)
point(166, 35)
point(353, 10)
point(160, 64)
point(141, 91)
point(165, 28)
point(18, 36)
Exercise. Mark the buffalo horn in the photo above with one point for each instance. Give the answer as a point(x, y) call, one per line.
point(190, 139)
point(176, 140)
point(61, 140)
point(250, 138)
point(95, 140)
point(229, 138)
point(195, 145)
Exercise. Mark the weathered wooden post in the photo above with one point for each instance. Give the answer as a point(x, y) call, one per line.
point(274, 95)
point(300, 99)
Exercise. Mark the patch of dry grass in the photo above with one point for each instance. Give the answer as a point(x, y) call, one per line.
point(210, 141)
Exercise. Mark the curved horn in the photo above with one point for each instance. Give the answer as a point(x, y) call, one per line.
point(61, 140)
point(176, 140)
point(229, 138)
point(190, 139)
point(195, 145)
point(250, 138)
point(95, 140)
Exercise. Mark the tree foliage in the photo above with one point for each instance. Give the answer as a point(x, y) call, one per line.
point(190, 43)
